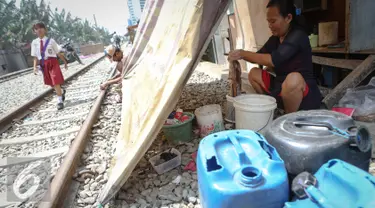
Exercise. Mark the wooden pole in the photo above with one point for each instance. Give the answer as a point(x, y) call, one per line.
point(234, 73)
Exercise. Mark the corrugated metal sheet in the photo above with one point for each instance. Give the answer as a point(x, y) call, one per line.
point(362, 25)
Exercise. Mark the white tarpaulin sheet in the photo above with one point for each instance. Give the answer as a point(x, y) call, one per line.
point(170, 40)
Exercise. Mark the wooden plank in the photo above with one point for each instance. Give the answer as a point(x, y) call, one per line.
point(78, 97)
point(87, 83)
point(369, 51)
point(347, 25)
point(67, 117)
point(324, 4)
point(67, 107)
point(341, 51)
point(84, 92)
point(328, 33)
point(5, 162)
point(83, 86)
point(328, 50)
point(22, 140)
point(339, 63)
point(351, 81)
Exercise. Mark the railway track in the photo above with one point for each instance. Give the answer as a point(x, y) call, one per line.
point(33, 146)
point(23, 85)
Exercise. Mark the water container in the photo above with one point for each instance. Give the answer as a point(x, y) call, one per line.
point(306, 140)
point(239, 169)
point(229, 113)
point(254, 112)
point(210, 119)
point(340, 185)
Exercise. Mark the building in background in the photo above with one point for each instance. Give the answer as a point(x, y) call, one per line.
point(142, 3)
point(135, 10)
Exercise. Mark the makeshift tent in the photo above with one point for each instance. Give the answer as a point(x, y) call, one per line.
point(170, 41)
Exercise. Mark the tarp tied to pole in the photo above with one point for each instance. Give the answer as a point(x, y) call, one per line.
point(170, 41)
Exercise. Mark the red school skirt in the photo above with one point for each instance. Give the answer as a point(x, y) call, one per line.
point(52, 72)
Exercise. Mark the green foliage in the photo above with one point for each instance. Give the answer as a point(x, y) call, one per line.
point(16, 25)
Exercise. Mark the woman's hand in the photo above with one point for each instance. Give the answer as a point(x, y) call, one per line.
point(235, 55)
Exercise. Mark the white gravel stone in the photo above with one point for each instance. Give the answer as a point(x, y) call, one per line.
point(102, 168)
point(93, 186)
point(372, 167)
point(89, 200)
point(141, 201)
point(192, 199)
point(83, 194)
point(190, 205)
point(185, 194)
point(146, 192)
point(122, 196)
point(99, 178)
point(178, 191)
point(194, 185)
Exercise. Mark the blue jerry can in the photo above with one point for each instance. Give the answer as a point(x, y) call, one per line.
point(338, 185)
point(239, 169)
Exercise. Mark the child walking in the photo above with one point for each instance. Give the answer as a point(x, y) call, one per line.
point(45, 51)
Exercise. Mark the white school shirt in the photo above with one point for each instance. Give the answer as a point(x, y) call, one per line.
point(51, 51)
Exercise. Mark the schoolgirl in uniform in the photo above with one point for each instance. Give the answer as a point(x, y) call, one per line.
point(45, 51)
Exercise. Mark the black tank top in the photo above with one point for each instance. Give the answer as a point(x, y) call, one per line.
point(292, 55)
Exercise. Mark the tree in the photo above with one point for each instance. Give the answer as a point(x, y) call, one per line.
point(16, 24)
point(8, 17)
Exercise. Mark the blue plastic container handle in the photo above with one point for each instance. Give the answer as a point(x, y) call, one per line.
point(241, 153)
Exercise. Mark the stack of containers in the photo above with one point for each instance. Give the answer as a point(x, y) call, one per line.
point(239, 168)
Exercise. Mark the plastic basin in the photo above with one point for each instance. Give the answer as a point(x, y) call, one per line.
point(179, 132)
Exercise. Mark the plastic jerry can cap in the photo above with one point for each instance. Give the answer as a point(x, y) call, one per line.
point(361, 136)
